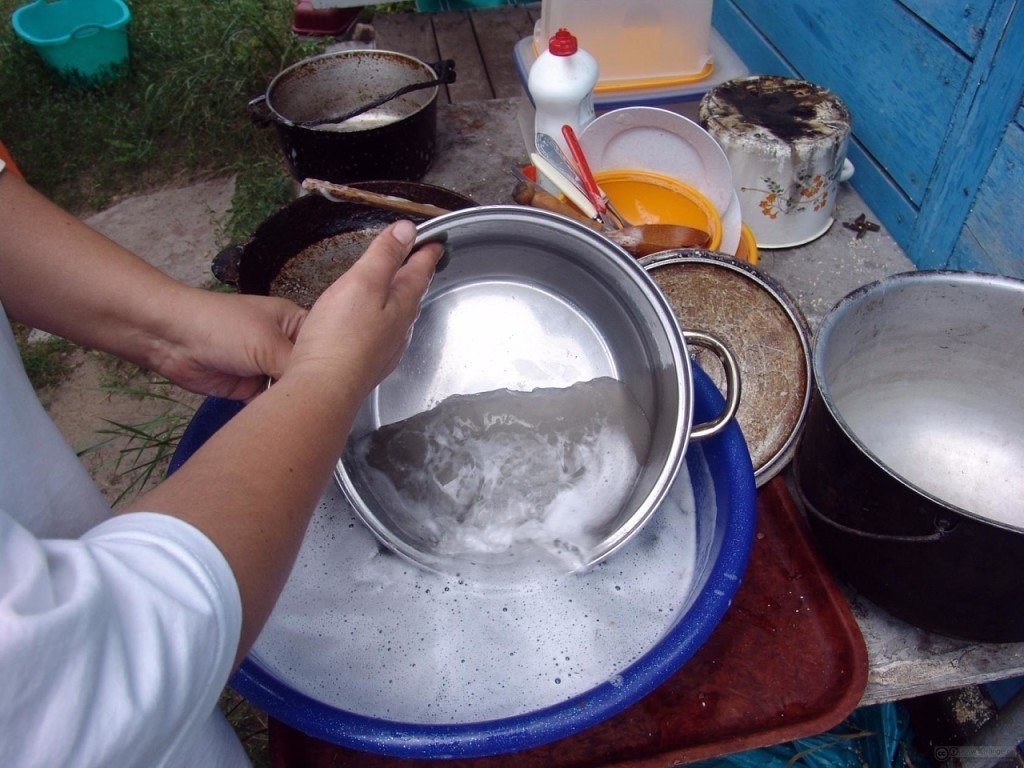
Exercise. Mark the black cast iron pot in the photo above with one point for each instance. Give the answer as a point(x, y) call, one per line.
point(321, 231)
point(911, 463)
point(395, 140)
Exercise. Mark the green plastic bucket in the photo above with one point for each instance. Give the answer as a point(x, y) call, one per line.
point(85, 41)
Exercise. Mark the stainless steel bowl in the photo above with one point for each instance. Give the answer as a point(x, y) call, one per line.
point(525, 299)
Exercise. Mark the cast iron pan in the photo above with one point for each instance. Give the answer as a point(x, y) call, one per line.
point(312, 225)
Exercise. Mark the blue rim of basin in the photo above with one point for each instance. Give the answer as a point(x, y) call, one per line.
point(735, 496)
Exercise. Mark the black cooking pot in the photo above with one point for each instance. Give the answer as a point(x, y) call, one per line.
point(910, 463)
point(394, 140)
point(310, 226)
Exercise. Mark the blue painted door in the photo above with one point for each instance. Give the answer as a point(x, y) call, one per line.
point(934, 88)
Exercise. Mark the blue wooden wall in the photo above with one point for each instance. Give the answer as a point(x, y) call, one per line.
point(934, 87)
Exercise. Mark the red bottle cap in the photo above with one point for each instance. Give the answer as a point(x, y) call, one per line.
point(562, 43)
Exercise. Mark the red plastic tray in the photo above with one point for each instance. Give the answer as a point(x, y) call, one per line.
point(788, 661)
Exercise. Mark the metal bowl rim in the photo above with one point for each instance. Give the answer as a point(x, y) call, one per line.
point(278, 80)
point(847, 304)
point(437, 229)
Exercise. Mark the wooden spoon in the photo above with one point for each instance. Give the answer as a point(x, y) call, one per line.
point(639, 240)
point(336, 192)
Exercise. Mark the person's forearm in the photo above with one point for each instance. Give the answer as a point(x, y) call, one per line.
point(253, 486)
point(62, 276)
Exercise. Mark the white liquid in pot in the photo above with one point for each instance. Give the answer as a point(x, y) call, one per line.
point(511, 472)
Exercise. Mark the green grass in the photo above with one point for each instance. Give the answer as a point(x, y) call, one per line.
point(47, 362)
point(147, 446)
point(178, 113)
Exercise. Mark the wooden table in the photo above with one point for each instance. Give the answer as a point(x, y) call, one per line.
point(480, 42)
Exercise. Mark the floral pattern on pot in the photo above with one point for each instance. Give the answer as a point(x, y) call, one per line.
point(786, 142)
point(804, 192)
point(810, 189)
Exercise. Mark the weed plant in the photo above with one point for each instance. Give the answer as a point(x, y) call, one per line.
point(47, 362)
point(146, 447)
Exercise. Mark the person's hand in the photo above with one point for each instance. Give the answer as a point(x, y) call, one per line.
point(359, 327)
point(227, 345)
point(254, 505)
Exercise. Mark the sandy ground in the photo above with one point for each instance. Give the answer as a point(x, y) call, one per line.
point(176, 231)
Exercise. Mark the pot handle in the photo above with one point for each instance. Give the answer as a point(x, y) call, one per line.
point(732, 384)
point(86, 30)
point(259, 111)
point(226, 265)
point(943, 528)
point(444, 69)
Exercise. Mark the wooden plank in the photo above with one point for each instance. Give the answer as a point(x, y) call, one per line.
point(992, 239)
point(497, 32)
point(975, 131)
point(886, 200)
point(899, 78)
point(409, 33)
point(962, 23)
point(889, 205)
point(758, 53)
point(480, 42)
point(456, 40)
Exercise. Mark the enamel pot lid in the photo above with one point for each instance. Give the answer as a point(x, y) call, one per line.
point(760, 323)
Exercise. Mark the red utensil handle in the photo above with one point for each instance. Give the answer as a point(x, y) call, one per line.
point(589, 184)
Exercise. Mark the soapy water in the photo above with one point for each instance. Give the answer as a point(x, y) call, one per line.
point(364, 631)
point(508, 472)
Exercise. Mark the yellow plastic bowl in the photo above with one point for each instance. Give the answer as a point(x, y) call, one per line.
point(747, 249)
point(643, 197)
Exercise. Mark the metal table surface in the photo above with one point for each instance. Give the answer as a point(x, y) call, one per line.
point(480, 141)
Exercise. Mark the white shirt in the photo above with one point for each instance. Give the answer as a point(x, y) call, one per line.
point(117, 633)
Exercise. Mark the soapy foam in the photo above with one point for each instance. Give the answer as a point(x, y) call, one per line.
point(505, 470)
point(362, 630)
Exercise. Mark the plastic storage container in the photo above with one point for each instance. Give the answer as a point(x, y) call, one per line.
point(83, 40)
point(646, 43)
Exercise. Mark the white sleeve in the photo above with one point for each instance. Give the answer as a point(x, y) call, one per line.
point(114, 648)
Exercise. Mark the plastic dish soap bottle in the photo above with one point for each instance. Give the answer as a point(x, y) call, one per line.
point(561, 85)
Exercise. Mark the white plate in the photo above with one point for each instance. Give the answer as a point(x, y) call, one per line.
point(732, 227)
point(659, 141)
